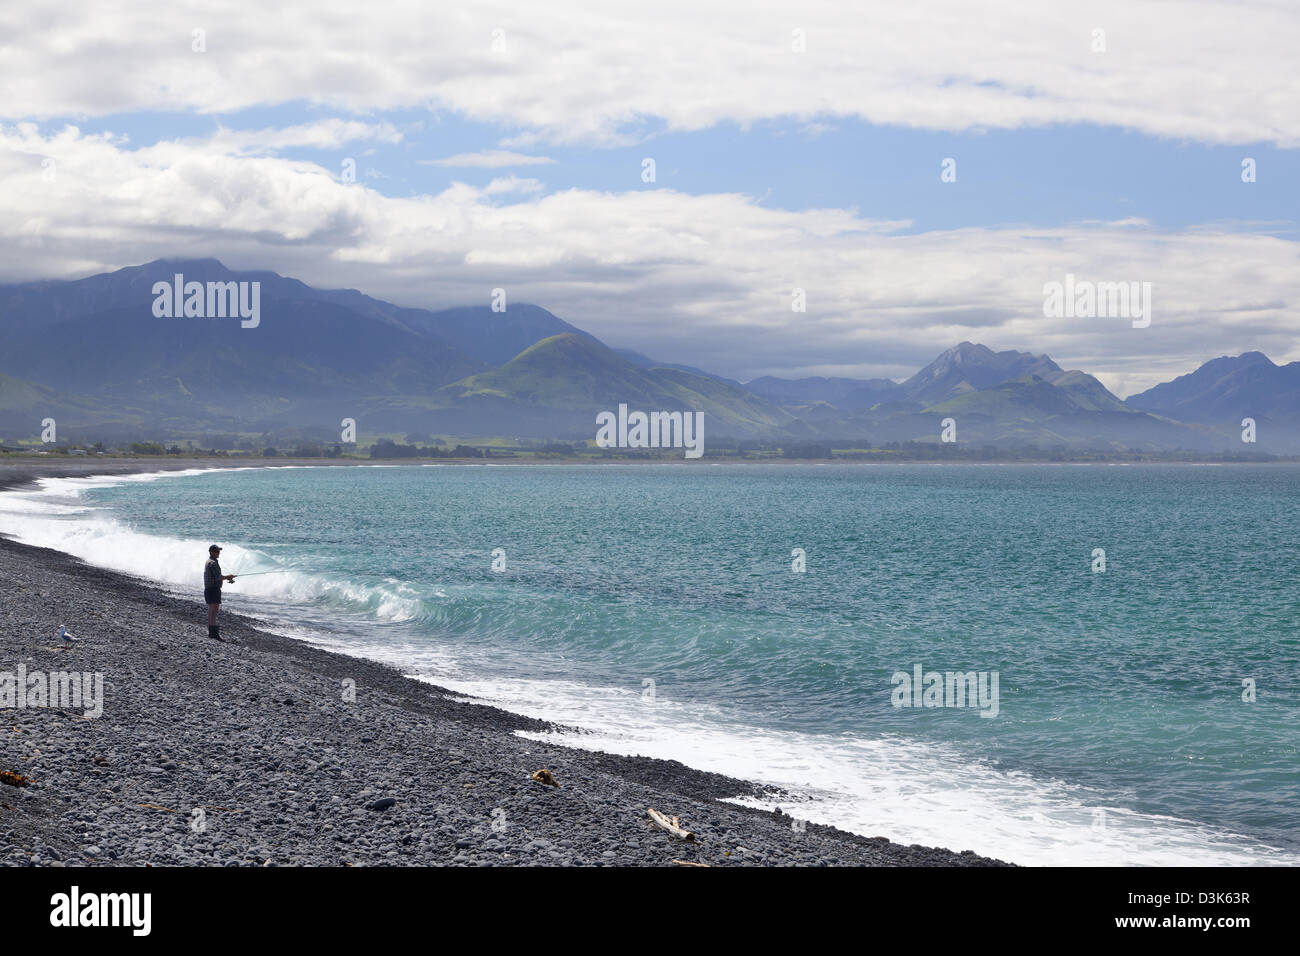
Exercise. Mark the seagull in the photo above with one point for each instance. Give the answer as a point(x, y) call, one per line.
point(67, 639)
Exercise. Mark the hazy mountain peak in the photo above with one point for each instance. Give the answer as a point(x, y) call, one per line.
point(203, 263)
point(968, 367)
point(1227, 389)
point(966, 352)
point(1226, 363)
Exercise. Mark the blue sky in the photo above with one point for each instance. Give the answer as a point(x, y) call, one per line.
point(1053, 176)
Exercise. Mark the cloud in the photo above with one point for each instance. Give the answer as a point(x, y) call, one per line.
point(323, 134)
point(512, 184)
point(488, 159)
point(1220, 71)
point(701, 279)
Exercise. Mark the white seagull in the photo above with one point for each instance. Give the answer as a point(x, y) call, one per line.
point(67, 639)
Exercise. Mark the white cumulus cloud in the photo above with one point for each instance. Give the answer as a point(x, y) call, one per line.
point(489, 159)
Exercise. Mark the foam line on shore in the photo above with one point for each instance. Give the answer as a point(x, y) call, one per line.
point(907, 790)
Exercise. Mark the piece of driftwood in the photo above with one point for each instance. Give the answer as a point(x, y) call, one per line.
point(689, 863)
point(546, 777)
point(672, 824)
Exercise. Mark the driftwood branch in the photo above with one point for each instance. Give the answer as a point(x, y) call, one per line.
point(672, 824)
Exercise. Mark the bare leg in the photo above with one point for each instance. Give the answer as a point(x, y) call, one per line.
point(212, 614)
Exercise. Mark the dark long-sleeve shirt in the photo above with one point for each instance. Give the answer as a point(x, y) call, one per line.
point(212, 574)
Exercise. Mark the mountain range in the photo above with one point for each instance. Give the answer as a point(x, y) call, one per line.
point(92, 354)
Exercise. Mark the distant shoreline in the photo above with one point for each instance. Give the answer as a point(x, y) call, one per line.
point(16, 470)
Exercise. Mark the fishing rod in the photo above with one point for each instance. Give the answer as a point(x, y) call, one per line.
point(250, 574)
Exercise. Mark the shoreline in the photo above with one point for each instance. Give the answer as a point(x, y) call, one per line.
point(16, 470)
point(249, 753)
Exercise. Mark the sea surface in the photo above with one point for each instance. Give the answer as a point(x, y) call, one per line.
point(657, 608)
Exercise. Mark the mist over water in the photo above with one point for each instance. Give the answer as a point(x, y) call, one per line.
point(656, 607)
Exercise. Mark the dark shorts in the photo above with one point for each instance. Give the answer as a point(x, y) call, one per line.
point(212, 595)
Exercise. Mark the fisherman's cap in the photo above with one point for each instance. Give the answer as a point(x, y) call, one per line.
point(214, 547)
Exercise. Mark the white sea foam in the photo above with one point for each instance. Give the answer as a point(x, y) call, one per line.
point(908, 791)
point(55, 516)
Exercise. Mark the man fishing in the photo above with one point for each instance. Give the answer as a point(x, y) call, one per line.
point(212, 580)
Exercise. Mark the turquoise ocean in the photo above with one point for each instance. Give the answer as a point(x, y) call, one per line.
point(656, 610)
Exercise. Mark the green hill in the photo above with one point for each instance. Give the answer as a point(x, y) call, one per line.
point(566, 379)
point(1086, 392)
point(1073, 409)
point(1029, 396)
point(19, 396)
point(24, 405)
